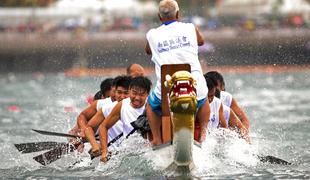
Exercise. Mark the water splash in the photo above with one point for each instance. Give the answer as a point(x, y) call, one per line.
point(221, 152)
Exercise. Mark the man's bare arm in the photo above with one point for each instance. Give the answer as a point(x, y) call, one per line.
point(112, 118)
point(147, 48)
point(239, 112)
point(96, 120)
point(200, 38)
point(235, 122)
point(222, 118)
point(86, 115)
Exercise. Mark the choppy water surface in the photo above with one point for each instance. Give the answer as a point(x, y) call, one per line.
point(278, 106)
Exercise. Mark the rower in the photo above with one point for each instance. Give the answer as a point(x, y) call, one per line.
point(106, 87)
point(224, 112)
point(135, 70)
point(122, 83)
point(216, 108)
point(121, 92)
point(106, 90)
point(227, 99)
point(125, 111)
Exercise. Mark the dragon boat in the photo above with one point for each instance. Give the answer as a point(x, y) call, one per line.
point(179, 107)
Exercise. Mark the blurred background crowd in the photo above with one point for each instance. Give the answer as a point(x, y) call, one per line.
point(59, 35)
point(93, 16)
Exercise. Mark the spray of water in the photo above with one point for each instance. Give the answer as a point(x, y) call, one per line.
point(221, 152)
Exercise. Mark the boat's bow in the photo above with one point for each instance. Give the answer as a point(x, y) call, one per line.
point(183, 105)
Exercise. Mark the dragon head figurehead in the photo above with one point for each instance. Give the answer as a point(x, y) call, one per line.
point(183, 105)
point(182, 92)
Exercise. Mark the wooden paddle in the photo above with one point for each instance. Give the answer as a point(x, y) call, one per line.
point(272, 160)
point(59, 151)
point(31, 147)
point(56, 133)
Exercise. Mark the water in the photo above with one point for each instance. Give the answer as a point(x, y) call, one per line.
point(278, 106)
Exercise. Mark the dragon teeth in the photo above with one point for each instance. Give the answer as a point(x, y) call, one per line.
point(185, 105)
point(183, 89)
point(183, 81)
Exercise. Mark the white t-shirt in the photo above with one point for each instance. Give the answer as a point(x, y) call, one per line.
point(176, 43)
point(129, 114)
point(214, 113)
point(226, 98)
point(103, 102)
point(117, 128)
point(226, 111)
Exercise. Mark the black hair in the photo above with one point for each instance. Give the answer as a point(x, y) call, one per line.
point(106, 85)
point(141, 82)
point(216, 76)
point(217, 93)
point(211, 83)
point(98, 95)
point(123, 81)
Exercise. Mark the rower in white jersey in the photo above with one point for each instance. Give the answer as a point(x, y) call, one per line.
point(174, 42)
point(104, 102)
point(117, 129)
point(121, 92)
point(125, 111)
point(221, 112)
point(228, 99)
point(217, 118)
point(106, 91)
point(216, 114)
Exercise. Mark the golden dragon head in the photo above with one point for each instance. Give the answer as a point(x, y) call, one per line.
point(183, 104)
point(182, 92)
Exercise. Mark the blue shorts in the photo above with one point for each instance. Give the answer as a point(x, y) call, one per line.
point(201, 102)
point(155, 103)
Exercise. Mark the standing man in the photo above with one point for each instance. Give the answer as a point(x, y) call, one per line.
point(175, 42)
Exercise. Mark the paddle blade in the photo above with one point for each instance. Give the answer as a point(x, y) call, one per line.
point(273, 160)
point(36, 146)
point(55, 133)
point(54, 154)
